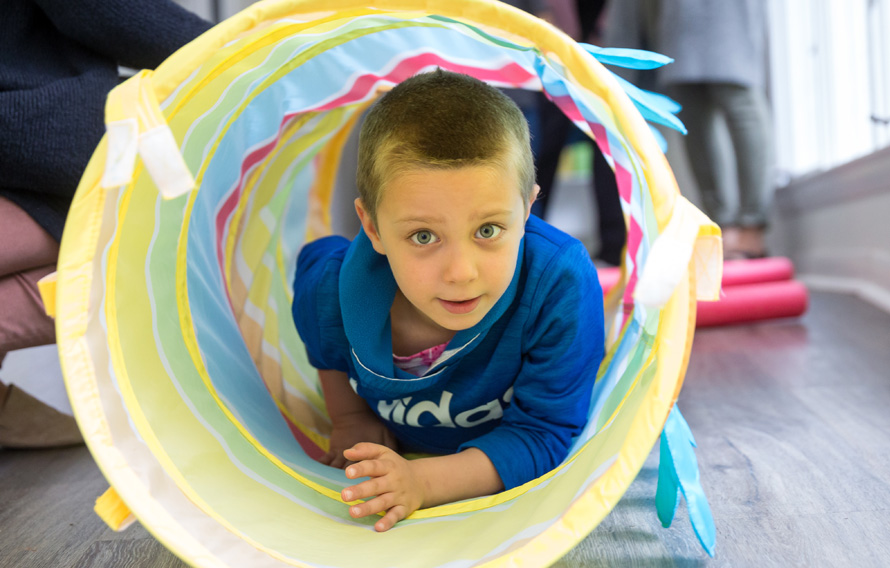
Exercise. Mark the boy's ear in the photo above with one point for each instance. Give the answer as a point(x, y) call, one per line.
point(368, 226)
point(531, 200)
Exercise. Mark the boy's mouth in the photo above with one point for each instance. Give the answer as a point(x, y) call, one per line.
point(460, 306)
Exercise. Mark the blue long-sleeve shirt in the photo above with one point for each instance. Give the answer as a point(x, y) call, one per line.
point(516, 385)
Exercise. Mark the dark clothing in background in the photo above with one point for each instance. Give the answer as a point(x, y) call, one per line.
point(59, 61)
point(588, 15)
point(555, 130)
point(719, 76)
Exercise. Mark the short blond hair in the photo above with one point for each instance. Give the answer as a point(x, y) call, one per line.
point(441, 120)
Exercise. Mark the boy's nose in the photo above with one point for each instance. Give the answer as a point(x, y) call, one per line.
point(461, 266)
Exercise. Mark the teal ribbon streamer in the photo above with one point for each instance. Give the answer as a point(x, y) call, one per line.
point(678, 474)
point(627, 58)
point(655, 108)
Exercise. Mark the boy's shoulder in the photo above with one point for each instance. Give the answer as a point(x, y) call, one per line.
point(316, 302)
point(323, 248)
point(555, 263)
point(544, 241)
point(317, 257)
point(319, 263)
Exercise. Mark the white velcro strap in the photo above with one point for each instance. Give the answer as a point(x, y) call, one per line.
point(135, 123)
point(165, 164)
point(122, 146)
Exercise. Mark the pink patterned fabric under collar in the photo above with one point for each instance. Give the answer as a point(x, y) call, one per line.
point(419, 363)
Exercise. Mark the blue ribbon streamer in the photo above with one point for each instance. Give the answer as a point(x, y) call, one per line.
point(655, 107)
point(678, 474)
point(627, 58)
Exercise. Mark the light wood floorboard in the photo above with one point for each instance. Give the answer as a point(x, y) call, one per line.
point(791, 419)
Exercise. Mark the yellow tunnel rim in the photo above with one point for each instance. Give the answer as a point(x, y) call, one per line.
point(90, 199)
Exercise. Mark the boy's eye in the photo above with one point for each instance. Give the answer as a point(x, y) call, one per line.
point(424, 238)
point(488, 231)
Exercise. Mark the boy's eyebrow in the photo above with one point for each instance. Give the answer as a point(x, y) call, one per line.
point(493, 213)
point(421, 220)
point(438, 219)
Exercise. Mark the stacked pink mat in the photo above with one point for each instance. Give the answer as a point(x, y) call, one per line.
point(753, 290)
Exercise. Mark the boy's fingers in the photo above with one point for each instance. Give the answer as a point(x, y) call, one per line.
point(368, 468)
point(334, 459)
point(372, 506)
point(365, 490)
point(391, 517)
point(365, 451)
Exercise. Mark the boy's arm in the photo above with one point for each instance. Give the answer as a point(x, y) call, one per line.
point(562, 350)
point(399, 486)
point(351, 418)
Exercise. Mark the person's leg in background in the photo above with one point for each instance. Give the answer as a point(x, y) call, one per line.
point(709, 159)
point(612, 228)
point(747, 117)
point(553, 130)
point(27, 255)
point(613, 231)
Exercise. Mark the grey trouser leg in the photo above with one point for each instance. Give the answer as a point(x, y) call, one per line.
point(747, 118)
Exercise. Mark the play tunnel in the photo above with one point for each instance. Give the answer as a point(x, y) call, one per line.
point(173, 291)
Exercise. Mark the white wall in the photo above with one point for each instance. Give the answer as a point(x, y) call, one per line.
point(830, 90)
point(835, 228)
point(830, 75)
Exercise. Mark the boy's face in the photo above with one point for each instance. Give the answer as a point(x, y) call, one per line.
point(451, 238)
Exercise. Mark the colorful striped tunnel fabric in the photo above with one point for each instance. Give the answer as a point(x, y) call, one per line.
point(184, 367)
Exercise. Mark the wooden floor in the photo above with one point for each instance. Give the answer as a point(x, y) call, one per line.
point(792, 420)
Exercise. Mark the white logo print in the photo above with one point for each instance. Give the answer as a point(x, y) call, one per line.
point(402, 412)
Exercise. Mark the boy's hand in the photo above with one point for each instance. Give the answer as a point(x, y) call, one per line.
point(352, 420)
point(350, 430)
point(395, 485)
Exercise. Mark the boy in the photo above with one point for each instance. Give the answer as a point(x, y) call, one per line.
point(453, 324)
